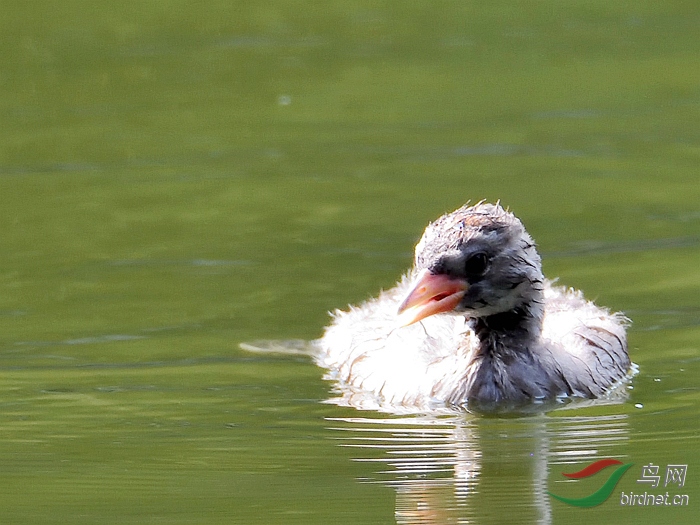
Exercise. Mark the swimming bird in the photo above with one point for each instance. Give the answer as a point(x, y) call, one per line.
point(475, 324)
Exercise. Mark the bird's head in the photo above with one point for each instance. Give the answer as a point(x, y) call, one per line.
point(476, 261)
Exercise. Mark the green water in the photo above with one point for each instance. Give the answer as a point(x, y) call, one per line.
point(179, 177)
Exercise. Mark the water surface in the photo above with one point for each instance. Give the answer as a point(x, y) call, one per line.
point(177, 179)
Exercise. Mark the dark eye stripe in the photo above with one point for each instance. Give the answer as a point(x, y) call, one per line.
point(476, 264)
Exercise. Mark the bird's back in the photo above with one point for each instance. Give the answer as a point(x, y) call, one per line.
point(588, 342)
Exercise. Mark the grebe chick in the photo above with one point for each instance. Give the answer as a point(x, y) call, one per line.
point(475, 323)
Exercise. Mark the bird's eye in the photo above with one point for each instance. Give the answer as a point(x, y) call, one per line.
point(476, 264)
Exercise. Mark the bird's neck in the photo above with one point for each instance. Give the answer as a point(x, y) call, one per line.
point(509, 332)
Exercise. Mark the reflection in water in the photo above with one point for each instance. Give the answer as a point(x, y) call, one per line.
point(455, 467)
point(463, 469)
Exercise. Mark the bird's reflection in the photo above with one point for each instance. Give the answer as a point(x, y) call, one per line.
point(466, 469)
point(454, 467)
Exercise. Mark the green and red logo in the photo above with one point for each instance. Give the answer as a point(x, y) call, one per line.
point(603, 493)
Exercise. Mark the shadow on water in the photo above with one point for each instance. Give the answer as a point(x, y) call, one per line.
point(453, 469)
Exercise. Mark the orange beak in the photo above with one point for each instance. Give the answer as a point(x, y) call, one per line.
point(431, 295)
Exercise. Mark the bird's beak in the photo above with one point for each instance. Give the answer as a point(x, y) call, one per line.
point(431, 295)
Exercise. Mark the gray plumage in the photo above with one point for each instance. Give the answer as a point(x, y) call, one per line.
point(511, 337)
